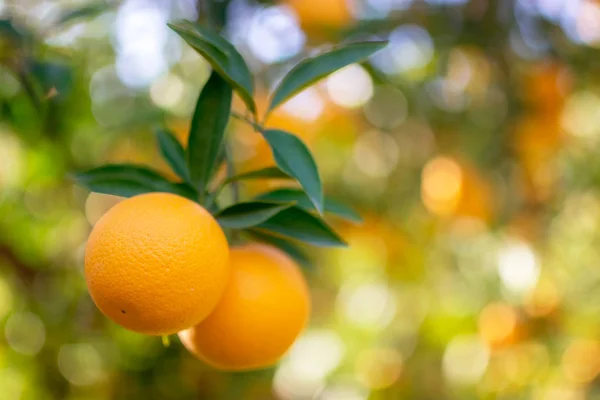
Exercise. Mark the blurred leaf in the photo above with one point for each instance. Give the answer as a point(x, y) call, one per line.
point(248, 214)
point(128, 180)
point(87, 11)
point(302, 201)
point(264, 173)
point(312, 69)
point(208, 130)
point(294, 158)
point(301, 225)
point(173, 153)
point(53, 76)
point(283, 244)
point(10, 31)
point(222, 55)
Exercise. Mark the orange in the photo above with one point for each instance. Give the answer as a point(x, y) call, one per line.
point(156, 263)
point(331, 14)
point(265, 307)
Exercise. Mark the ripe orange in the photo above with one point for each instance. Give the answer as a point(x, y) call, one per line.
point(157, 263)
point(265, 307)
point(331, 14)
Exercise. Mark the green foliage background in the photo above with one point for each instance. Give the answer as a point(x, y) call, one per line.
point(469, 146)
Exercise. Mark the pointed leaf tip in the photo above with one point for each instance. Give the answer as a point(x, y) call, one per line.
point(314, 68)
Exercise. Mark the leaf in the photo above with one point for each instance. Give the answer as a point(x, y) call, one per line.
point(301, 225)
point(208, 130)
point(53, 76)
point(173, 153)
point(294, 158)
point(302, 201)
point(312, 69)
point(87, 11)
point(128, 180)
point(221, 55)
point(282, 244)
point(248, 214)
point(264, 173)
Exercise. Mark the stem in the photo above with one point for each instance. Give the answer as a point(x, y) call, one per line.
point(257, 127)
point(235, 188)
point(203, 7)
point(165, 340)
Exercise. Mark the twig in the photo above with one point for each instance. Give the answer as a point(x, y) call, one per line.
point(257, 127)
point(235, 189)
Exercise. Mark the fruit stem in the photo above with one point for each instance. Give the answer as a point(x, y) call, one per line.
point(165, 340)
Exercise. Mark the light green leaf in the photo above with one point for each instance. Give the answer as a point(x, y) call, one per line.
point(222, 55)
point(173, 153)
point(208, 130)
point(302, 201)
point(301, 225)
point(129, 180)
point(248, 214)
point(264, 173)
point(282, 244)
point(312, 69)
point(294, 158)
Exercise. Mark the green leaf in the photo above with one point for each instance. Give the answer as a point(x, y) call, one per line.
point(294, 158)
point(208, 130)
point(302, 201)
point(87, 11)
point(173, 153)
point(264, 173)
point(282, 244)
point(221, 55)
point(312, 69)
point(128, 180)
point(301, 225)
point(248, 214)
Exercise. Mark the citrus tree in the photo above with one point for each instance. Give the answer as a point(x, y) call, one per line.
point(183, 251)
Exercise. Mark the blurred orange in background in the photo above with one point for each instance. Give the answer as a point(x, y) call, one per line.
point(453, 188)
point(318, 17)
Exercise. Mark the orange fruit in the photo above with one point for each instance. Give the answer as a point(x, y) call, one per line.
point(156, 263)
point(265, 307)
point(331, 14)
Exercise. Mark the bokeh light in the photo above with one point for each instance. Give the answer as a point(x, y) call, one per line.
point(25, 333)
point(518, 267)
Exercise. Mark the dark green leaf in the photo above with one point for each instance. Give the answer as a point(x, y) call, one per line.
point(264, 173)
point(312, 69)
point(173, 153)
point(53, 76)
point(9, 30)
point(285, 245)
point(248, 214)
point(294, 158)
point(222, 55)
point(87, 11)
point(302, 201)
point(301, 225)
point(129, 180)
point(208, 130)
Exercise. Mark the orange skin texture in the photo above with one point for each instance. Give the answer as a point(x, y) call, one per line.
point(156, 263)
point(265, 307)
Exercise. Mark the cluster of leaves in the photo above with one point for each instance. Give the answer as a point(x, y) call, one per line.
point(45, 74)
point(276, 216)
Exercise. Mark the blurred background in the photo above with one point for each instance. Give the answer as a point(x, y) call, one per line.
point(469, 144)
